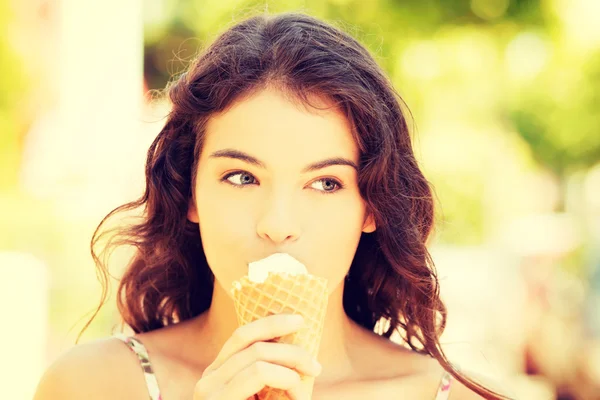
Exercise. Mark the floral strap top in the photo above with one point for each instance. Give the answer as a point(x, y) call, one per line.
point(444, 388)
point(140, 350)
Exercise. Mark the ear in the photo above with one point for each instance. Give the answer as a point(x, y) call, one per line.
point(192, 214)
point(369, 225)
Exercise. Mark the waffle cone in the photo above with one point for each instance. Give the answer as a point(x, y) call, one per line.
point(302, 294)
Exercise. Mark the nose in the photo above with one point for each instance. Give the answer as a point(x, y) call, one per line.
point(279, 221)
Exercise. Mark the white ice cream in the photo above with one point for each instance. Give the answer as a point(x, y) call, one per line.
point(259, 270)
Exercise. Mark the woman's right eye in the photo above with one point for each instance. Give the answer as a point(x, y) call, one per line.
point(244, 178)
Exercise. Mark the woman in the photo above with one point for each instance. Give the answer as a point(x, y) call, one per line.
point(284, 136)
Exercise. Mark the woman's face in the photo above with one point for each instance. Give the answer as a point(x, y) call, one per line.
point(263, 187)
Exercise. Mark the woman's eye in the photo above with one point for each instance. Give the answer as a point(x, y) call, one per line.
point(329, 185)
point(242, 178)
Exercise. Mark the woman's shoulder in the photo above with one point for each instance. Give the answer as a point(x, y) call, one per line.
point(103, 368)
point(420, 376)
point(433, 380)
point(433, 377)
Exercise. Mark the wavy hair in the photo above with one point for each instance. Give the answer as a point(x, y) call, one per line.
point(392, 277)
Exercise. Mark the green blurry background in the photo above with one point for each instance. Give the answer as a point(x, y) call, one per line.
point(505, 98)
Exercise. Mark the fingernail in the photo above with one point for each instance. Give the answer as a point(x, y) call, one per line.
point(296, 319)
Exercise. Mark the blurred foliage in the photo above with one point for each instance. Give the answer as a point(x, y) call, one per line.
point(559, 117)
point(379, 24)
point(12, 82)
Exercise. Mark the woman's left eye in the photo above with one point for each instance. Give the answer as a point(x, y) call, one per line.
point(329, 185)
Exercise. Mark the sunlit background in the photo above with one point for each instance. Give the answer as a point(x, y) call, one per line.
point(505, 96)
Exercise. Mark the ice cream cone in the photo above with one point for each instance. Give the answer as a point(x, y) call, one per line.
point(281, 292)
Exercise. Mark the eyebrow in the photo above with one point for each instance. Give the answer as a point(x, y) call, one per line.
point(240, 155)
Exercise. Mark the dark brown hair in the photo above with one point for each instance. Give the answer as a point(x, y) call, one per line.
point(392, 276)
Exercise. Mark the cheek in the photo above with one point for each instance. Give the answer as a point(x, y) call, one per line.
point(335, 238)
point(345, 215)
point(224, 229)
point(222, 219)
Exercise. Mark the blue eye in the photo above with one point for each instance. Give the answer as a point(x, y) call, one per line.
point(245, 178)
point(243, 174)
point(331, 183)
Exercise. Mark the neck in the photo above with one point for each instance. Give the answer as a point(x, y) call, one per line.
point(339, 333)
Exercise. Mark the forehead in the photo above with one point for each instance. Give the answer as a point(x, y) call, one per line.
point(268, 123)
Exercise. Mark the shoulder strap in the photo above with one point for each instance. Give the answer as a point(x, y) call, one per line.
point(444, 388)
point(140, 350)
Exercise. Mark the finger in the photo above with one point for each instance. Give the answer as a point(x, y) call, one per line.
point(287, 355)
point(262, 329)
point(258, 375)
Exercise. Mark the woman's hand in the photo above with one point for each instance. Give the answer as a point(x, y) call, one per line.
point(247, 362)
